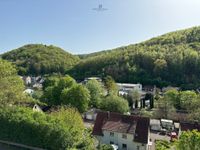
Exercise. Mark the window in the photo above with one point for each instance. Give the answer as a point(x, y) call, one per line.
point(111, 142)
point(124, 146)
point(124, 136)
point(111, 134)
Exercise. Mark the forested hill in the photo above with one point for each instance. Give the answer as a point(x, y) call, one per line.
point(41, 59)
point(170, 59)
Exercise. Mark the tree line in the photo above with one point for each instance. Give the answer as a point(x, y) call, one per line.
point(171, 59)
point(64, 90)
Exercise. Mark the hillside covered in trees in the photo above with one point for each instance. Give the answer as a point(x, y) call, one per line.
point(40, 59)
point(170, 59)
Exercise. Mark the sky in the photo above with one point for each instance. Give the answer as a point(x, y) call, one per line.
point(74, 26)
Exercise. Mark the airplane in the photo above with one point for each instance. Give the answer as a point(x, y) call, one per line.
point(100, 8)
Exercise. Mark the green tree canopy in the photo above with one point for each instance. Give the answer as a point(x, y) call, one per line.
point(189, 140)
point(77, 96)
point(115, 104)
point(96, 92)
point(40, 59)
point(11, 87)
point(61, 130)
point(187, 98)
point(110, 85)
point(173, 97)
point(170, 59)
point(52, 93)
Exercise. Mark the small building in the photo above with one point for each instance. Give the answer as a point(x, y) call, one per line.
point(91, 114)
point(29, 91)
point(37, 108)
point(128, 132)
point(37, 85)
point(127, 87)
point(149, 89)
point(167, 124)
point(27, 80)
point(92, 78)
point(155, 125)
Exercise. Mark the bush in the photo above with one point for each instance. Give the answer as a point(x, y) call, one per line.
point(22, 125)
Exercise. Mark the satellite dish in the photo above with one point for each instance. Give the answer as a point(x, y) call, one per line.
point(100, 8)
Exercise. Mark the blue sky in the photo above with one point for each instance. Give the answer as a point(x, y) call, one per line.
point(75, 27)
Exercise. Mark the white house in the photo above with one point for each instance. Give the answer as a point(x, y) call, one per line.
point(92, 78)
point(126, 131)
point(37, 108)
point(37, 85)
point(27, 80)
point(129, 87)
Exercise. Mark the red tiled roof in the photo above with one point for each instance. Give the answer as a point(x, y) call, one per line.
point(189, 126)
point(115, 122)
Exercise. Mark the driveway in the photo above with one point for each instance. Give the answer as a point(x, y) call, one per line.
point(88, 124)
point(156, 136)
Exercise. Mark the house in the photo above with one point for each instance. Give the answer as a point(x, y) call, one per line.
point(27, 80)
point(149, 89)
point(37, 108)
point(128, 132)
point(155, 125)
point(127, 87)
point(37, 85)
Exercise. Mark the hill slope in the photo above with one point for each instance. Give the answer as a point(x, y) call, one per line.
point(41, 59)
point(170, 59)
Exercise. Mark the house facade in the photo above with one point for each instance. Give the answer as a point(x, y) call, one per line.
point(126, 88)
point(127, 132)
